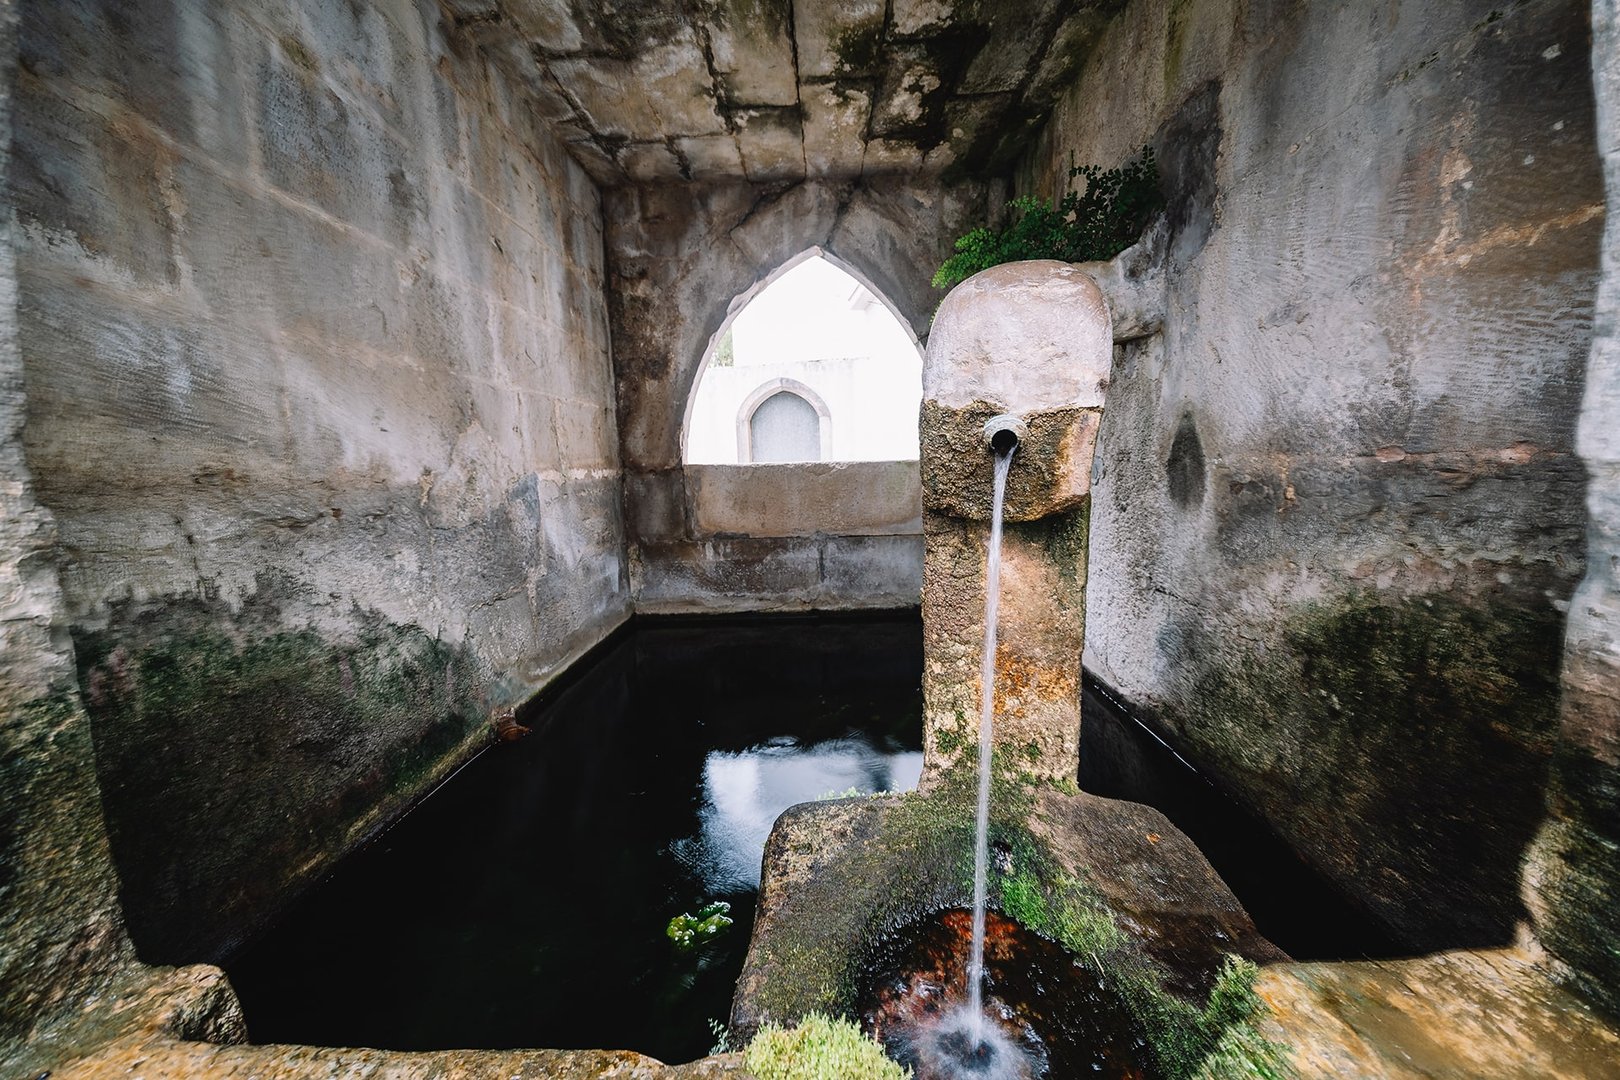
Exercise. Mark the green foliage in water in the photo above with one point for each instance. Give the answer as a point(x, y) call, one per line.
point(1089, 225)
point(820, 1048)
point(690, 931)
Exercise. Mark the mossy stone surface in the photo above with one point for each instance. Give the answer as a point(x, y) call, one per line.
point(1401, 745)
point(1114, 879)
point(237, 759)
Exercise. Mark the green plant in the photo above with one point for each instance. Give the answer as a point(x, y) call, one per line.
point(725, 354)
point(819, 1049)
point(722, 1037)
point(1085, 226)
point(689, 931)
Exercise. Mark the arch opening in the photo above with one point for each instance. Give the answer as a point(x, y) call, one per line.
point(811, 364)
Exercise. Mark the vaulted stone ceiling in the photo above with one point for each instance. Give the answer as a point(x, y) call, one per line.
point(649, 90)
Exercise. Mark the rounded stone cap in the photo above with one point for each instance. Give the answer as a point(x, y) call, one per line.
point(1024, 336)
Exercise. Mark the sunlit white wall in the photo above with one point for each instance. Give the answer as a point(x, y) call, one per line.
point(818, 326)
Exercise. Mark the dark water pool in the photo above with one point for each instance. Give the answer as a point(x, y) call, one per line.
point(524, 904)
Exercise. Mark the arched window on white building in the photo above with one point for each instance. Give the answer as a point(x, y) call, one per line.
point(814, 367)
point(783, 420)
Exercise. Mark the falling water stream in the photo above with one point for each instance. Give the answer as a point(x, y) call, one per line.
point(987, 708)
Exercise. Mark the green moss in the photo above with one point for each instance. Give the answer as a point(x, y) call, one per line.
point(1244, 1054)
point(819, 1048)
point(907, 855)
point(1067, 541)
point(688, 931)
point(1402, 744)
point(1185, 1040)
point(1065, 911)
point(235, 762)
point(1576, 864)
point(1175, 42)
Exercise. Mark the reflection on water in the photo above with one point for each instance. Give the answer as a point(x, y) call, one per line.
point(525, 903)
point(744, 793)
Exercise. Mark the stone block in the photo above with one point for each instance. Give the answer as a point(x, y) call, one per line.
point(711, 157)
point(1050, 473)
point(131, 398)
point(872, 571)
point(771, 143)
point(753, 53)
point(655, 506)
point(177, 67)
point(835, 119)
point(837, 37)
point(319, 148)
point(728, 575)
point(76, 178)
point(1024, 337)
point(648, 162)
point(547, 25)
point(1011, 46)
point(1028, 339)
point(834, 499)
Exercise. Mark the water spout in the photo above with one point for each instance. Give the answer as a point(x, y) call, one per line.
point(1003, 433)
point(1001, 429)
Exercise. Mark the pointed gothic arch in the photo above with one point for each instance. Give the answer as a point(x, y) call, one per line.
point(862, 424)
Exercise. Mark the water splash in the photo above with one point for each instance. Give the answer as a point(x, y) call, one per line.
point(962, 1045)
point(987, 705)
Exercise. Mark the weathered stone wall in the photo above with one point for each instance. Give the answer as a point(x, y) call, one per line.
point(60, 932)
point(1573, 875)
point(1337, 516)
point(681, 259)
point(319, 393)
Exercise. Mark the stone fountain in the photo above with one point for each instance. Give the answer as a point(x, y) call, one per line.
point(1033, 342)
point(850, 887)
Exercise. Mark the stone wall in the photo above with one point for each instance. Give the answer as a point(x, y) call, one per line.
point(1573, 875)
point(1338, 517)
point(319, 393)
point(60, 932)
point(682, 259)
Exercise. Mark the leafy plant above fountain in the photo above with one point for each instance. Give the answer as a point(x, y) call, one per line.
point(1090, 225)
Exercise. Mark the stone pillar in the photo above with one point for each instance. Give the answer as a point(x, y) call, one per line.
point(1572, 873)
point(1032, 339)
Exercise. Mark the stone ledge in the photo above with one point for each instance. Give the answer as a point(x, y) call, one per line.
point(1493, 1013)
point(153, 1025)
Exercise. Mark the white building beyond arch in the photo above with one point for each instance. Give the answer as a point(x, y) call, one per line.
point(819, 333)
point(785, 446)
